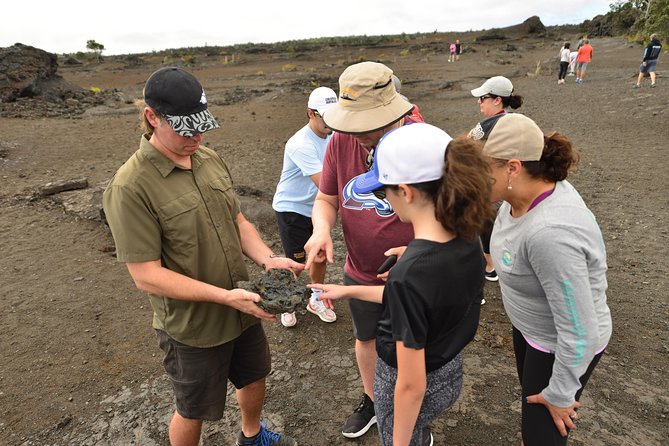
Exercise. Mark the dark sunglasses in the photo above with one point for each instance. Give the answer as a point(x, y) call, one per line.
point(380, 193)
point(486, 96)
point(316, 113)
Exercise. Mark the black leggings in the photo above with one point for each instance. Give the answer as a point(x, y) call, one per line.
point(485, 235)
point(563, 70)
point(534, 370)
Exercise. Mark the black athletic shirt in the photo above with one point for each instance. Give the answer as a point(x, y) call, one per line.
point(432, 301)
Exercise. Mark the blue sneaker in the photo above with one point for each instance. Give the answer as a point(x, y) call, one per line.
point(265, 438)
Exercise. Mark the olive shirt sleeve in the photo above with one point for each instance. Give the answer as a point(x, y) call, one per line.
point(135, 227)
point(560, 264)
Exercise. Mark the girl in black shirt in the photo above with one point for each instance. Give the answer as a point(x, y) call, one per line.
point(431, 301)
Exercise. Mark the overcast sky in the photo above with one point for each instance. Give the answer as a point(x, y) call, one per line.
point(125, 26)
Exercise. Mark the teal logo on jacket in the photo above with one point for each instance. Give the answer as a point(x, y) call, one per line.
point(506, 258)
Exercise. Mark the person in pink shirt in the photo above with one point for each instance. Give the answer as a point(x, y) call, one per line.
point(452, 52)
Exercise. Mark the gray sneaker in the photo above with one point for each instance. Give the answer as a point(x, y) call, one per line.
point(362, 418)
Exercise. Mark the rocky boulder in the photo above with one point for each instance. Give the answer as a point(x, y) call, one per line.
point(530, 27)
point(22, 68)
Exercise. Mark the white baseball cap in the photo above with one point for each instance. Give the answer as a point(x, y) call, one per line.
point(411, 154)
point(321, 99)
point(498, 86)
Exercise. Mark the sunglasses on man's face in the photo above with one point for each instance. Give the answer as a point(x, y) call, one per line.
point(316, 113)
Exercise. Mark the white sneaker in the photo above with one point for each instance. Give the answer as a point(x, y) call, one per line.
point(288, 320)
point(318, 308)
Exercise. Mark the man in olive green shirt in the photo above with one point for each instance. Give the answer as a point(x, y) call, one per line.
point(178, 227)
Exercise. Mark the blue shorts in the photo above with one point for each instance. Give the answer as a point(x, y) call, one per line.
point(581, 66)
point(649, 67)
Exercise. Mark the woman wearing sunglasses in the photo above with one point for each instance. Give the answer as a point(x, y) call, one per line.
point(495, 96)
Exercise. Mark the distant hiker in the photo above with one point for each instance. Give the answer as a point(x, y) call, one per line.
point(452, 52)
point(369, 107)
point(572, 62)
point(550, 256)
point(296, 191)
point(177, 226)
point(458, 49)
point(415, 112)
point(431, 300)
point(649, 62)
point(495, 97)
point(583, 58)
point(565, 58)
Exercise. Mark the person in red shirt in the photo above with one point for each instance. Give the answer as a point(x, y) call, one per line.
point(582, 60)
point(369, 107)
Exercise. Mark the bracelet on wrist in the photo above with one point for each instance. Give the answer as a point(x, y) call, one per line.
point(271, 256)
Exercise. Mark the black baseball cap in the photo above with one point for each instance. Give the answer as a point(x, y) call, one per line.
point(179, 97)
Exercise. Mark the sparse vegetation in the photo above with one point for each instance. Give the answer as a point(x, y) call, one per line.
point(637, 19)
point(188, 59)
point(96, 48)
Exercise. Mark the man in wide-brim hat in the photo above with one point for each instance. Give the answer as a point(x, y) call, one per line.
point(368, 108)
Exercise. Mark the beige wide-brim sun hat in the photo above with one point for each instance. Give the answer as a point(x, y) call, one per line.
point(368, 100)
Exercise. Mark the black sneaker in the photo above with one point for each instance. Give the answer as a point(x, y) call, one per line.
point(362, 418)
point(491, 276)
point(265, 438)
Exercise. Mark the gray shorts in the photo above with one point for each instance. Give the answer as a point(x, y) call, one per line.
point(200, 375)
point(649, 67)
point(581, 66)
point(442, 391)
point(365, 315)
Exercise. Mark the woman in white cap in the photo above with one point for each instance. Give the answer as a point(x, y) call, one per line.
point(431, 301)
point(550, 256)
point(495, 96)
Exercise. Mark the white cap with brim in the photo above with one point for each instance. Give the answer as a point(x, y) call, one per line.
point(368, 100)
point(321, 99)
point(498, 86)
point(411, 154)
